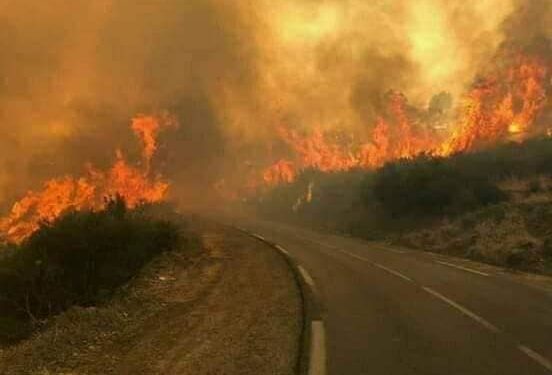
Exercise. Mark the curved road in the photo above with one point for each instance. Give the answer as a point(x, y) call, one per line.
point(393, 311)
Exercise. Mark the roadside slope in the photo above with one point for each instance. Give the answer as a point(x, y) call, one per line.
point(230, 306)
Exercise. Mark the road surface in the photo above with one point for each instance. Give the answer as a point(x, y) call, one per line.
point(392, 311)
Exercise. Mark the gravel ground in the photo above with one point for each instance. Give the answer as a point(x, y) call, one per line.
point(230, 307)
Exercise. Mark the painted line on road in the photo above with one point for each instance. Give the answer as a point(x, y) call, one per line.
point(380, 266)
point(308, 279)
point(281, 249)
point(463, 268)
point(317, 360)
point(354, 255)
point(317, 357)
point(396, 251)
point(463, 310)
point(258, 236)
point(317, 343)
point(393, 272)
point(388, 249)
point(536, 357)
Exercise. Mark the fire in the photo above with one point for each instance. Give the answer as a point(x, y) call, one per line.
point(500, 106)
point(407, 140)
point(395, 136)
point(508, 103)
point(283, 171)
point(147, 128)
point(134, 184)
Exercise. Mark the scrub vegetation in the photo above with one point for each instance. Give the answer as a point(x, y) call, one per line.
point(80, 259)
point(493, 205)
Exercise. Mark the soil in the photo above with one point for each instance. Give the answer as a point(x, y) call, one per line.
point(227, 306)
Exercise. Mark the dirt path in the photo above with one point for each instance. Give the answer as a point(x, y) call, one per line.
point(229, 307)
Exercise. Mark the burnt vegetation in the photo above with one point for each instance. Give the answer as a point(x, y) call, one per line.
point(80, 259)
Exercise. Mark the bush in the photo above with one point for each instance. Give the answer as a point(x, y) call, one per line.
point(429, 186)
point(408, 194)
point(547, 248)
point(80, 259)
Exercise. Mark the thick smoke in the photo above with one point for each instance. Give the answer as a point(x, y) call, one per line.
point(73, 74)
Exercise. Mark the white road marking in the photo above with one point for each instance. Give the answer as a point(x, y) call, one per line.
point(463, 310)
point(536, 357)
point(259, 237)
point(280, 248)
point(388, 249)
point(397, 251)
point(393, 272)
point(308, 279)
point(463, 268)
point(317, 360)
point(354, 255)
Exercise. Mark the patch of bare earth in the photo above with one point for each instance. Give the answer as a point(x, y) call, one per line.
point(228, 306)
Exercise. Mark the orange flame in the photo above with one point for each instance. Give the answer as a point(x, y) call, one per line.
point(147, 128)
point(496, 109)
point(283, 171)
point(89, 192)
point(500, 106)
point(320, 151)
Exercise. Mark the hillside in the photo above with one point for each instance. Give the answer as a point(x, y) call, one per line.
point(494, 205)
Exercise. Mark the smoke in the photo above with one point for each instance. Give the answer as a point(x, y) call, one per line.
point(73, 74)
point(530, 26)
point(333, 60)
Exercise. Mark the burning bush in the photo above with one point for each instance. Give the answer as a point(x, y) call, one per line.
point(136, 184)
point(80, 259)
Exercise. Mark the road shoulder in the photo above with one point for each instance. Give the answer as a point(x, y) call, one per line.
point(231, 307)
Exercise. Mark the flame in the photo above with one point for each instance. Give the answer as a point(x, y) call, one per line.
point(499, 106)
point(135, 185)
point(392, 138)
point(408, 140)
point(282, 171)
point(147, 129)
point(502, 105)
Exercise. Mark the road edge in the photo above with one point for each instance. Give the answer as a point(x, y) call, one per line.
point(312, 350)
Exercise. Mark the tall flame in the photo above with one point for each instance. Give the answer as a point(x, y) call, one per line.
point(135, 185)
point(499, 107)
point(148, 128)
point(508, 103)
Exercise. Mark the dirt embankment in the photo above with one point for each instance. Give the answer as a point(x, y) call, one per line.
point(230, 306)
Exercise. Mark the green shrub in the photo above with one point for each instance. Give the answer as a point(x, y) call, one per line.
point(408, 194)
point(547, 248)
point(80, 259)
point(429, 186)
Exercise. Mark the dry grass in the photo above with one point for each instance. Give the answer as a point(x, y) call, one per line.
point(513, 234)
point(229, 306)
point(82, 337)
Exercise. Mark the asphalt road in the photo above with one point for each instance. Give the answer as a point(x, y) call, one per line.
point(393, 311)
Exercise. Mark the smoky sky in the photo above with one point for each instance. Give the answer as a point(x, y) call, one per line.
point(73, 73)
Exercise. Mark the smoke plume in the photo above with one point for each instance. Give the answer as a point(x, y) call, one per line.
point(74, 73)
